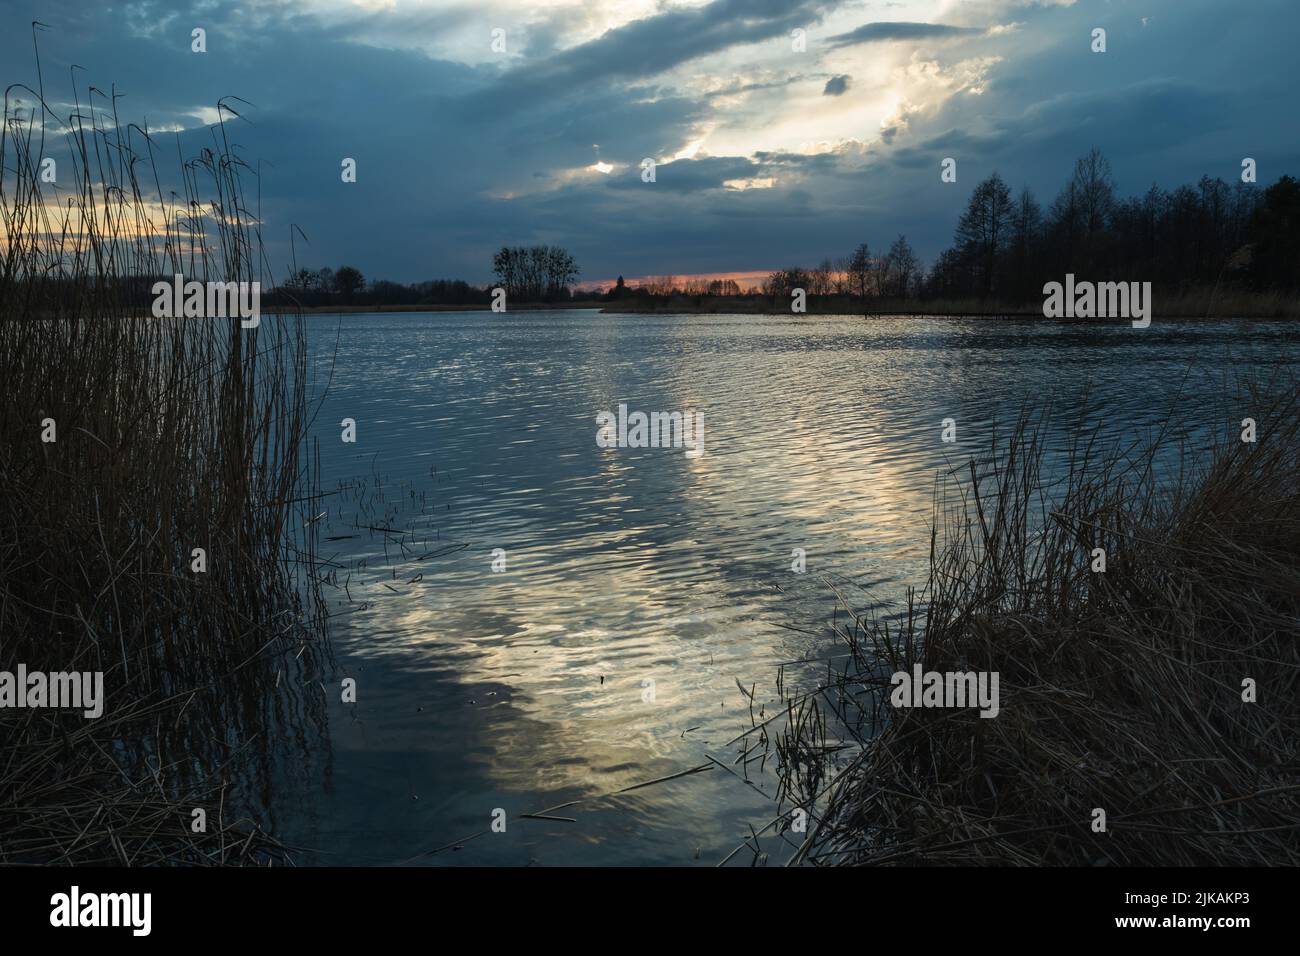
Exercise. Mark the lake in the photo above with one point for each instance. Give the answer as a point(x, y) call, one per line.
point(640, 585)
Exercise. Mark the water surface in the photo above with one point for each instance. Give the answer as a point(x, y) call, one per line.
point(528, 688)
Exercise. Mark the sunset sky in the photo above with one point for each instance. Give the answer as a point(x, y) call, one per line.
point(768, 156)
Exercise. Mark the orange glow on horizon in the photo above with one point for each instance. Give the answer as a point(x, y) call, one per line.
point(746, 280)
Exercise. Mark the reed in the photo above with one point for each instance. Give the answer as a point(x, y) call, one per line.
point(171, 435)
point(1120, 690)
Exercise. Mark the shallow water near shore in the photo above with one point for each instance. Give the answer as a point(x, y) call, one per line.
point(640, 585)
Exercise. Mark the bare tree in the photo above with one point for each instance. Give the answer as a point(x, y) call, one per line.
point(882, 271)
point(782, 282)
point(1094, 190)
point(534, 273)
point(859, 271)
point(1026, 235)
point(983, 227)
point(903, 267)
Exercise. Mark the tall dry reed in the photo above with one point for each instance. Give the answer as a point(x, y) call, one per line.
point(171, 435)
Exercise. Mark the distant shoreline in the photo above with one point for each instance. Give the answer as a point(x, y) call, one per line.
point(1233, 307)
point(471, 307)
point(1197, 304)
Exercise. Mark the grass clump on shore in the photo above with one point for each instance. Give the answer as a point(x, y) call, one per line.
point(1120, 690)
point(170, 435)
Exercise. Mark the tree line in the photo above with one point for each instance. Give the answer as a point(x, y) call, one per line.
point(895, 273)
point(1005, 247)
point(528, 274)
point(346, 285)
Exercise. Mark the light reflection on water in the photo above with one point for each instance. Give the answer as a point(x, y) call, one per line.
point(524, 690)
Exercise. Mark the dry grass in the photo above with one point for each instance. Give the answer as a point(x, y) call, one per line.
point(171, 435)
point(1119, 690)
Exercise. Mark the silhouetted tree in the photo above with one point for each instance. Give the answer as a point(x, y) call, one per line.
point(348, 282)
point(781, 283)
point(1094, 190)
point(1275, 251)
point(534, 273)
point(983, 229)
point(859, 271)
point(1025, 240)
point(903, 266)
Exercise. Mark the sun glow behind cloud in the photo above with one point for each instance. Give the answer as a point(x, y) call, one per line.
point(757, 97)
point(777, 103)
point(767, 97)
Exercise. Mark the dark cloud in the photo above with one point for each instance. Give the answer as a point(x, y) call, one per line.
point(648, 47)
point(691, 175)
point(836, 86)
point(783, 162)
point(735, 89)
point(899, 30)
point(454, 160)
